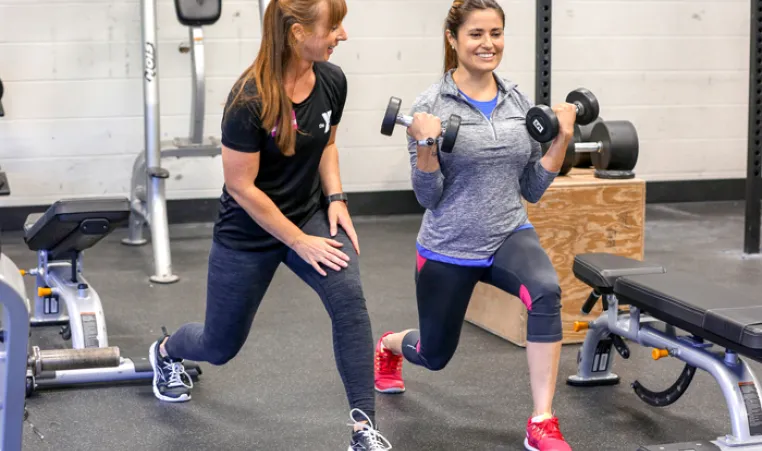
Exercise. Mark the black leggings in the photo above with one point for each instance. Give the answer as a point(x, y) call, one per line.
point(521, 267)
point(237, 282)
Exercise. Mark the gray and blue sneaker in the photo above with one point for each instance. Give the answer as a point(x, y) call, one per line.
point(367, 438)
point(170, 381)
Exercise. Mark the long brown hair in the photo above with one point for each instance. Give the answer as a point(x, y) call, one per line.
point(457, 16)
point(276, 51)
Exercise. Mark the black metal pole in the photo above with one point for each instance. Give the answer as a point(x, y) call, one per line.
point(543, 32)
point(754, 161)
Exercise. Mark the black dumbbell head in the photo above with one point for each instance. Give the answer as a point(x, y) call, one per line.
point(588, 102)
point(619, 149)
point(582, 159)
point(451, 133)
point(390, 117)
point(542, 123)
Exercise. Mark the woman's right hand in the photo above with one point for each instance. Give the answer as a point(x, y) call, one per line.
point(425, 126)
point(316, 250)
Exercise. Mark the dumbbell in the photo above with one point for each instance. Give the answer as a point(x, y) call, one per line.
point(613, 149)
point(392, 117)
point(542, 122)
point(582, 159)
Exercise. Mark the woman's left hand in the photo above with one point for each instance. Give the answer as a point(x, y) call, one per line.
point(338, 215)
point(567, 116)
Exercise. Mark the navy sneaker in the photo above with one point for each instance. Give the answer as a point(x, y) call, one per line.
point(367, 438)
point(170, 381)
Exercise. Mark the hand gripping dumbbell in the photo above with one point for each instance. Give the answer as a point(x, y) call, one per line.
point(542, 122)
point(613, 149)
point(392, 117)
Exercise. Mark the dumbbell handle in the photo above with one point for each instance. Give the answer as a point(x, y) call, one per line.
point(588, 147)
point(407, 121)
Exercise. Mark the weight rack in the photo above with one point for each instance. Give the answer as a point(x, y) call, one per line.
point(754, 161)
point(753, 194)
point(543, 34)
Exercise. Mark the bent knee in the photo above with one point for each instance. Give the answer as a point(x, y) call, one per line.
point(219, 355)
point(436, 363)
point(541, 297)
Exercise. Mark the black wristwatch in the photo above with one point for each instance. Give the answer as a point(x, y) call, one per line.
point(337, 197)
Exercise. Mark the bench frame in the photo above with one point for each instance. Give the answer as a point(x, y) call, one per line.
point(731, 372)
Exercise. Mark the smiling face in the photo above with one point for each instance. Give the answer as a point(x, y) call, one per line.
point(318, 44)
point(480, 41)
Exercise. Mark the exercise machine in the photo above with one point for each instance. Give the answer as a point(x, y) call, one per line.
point(63, 296)
point(13, 350)
point(148, 203)
point(679, 315)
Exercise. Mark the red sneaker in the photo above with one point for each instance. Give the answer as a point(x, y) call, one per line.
point(388, 370)
point(545, 436)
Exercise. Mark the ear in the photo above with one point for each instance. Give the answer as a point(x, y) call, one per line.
point(299, 32)
point(451, 39)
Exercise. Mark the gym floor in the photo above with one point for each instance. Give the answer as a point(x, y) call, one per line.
point(282, 392)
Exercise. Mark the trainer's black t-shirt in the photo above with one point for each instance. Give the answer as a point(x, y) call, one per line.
point(293, 183)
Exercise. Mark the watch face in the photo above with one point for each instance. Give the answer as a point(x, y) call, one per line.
point(430, 141)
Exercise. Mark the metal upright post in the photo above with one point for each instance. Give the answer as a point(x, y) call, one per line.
point(754, 160)
point(198, 85)
point(156, 175)
point(262, 8)
point(543, 35)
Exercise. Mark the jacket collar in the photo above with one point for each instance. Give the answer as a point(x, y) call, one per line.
point(449, 87)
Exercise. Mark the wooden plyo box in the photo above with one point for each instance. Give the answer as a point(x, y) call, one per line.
point(578, 213)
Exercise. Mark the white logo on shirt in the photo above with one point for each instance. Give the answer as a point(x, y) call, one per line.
point(327, 119)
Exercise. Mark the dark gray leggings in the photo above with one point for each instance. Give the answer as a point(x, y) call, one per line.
point(237, 282)
point(521, 267)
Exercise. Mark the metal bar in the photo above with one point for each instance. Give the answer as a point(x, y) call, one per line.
point(543, 34)
point(198, 85)
point(754, 161)
point(262, 8)
point(150, 84)
point(15, 320)
point(587, 147)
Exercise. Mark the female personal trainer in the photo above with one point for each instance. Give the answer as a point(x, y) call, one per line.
point(282, 202)
point(475, 228)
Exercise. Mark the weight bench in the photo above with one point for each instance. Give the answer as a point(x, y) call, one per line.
point(709, 314)
point(64, 297)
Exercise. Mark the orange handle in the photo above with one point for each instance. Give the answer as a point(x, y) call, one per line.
point(581, 325)
point(657, 354)
point(42, 292)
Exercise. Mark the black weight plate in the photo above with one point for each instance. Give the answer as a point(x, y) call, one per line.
point(542, 123)
point(451, 133)
point(390, 117)
point(589, 103)
point(582, 159)
point(619, 150)
point(570, 155)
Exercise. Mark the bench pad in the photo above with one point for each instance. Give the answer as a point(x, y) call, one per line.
point(601, 270)
point(689, 302)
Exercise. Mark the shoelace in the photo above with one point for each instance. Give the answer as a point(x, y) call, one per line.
point(376, 441)
point(176, 373)
point(549, 428)
point(387, 363)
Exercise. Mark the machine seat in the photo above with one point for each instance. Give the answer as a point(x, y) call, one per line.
point(601, 270)
point(71, 226)
point(729, 319)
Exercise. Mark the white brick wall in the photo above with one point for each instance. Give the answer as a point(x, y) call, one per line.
point(71, 68)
